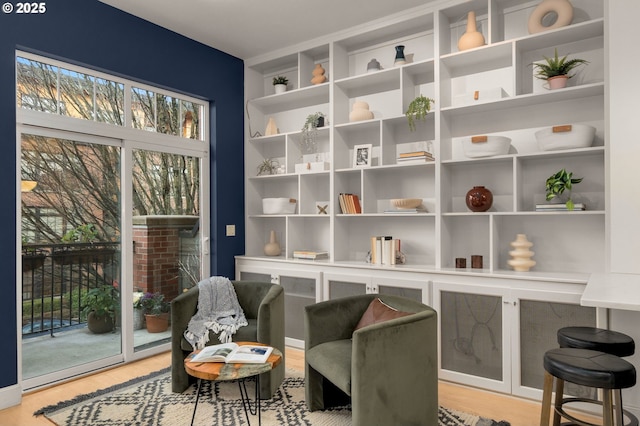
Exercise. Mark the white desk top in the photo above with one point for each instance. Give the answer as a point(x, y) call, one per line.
point(614, 291)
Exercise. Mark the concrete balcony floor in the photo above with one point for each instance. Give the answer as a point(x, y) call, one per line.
point(74, 346)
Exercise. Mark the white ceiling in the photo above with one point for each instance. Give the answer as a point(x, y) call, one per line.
point(248, 28)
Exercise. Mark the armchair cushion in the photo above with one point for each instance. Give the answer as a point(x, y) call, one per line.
point(379, 311)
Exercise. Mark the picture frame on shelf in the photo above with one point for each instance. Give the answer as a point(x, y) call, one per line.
point(362, 155)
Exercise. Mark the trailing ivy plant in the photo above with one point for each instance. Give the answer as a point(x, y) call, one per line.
point(418, 110)
point(560, 182)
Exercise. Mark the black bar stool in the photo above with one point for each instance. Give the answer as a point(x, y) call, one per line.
point(600, 339)
point(596, 339)
point(587, 368)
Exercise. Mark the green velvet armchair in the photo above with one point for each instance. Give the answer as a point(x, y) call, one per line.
point(388, 370)
point(263, 306)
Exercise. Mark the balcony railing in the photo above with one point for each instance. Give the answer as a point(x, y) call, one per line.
point(54, 278)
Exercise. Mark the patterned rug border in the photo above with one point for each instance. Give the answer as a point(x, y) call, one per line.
point(51, 410)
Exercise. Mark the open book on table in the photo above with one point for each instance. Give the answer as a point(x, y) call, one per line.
point(233, 353)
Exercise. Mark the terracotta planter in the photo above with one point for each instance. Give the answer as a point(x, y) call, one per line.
point(557, 82)
point(99, 324)
point(157, 323)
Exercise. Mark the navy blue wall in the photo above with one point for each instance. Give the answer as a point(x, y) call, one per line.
point(92, 34)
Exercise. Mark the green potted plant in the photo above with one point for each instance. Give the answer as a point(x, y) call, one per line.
point(556, 71)
point(309, 132)
point(558, 183)
point(156, 312)
point(418, 110)
point(268, 166)
point(280, 83)
point(100, 305)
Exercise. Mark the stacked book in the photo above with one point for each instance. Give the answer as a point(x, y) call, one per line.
point(384, 250)
point(349, 203)
point(559, 207)
point(310, 254)
point(414, 157)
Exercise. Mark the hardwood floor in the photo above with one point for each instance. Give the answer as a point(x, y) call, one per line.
point(517, 411)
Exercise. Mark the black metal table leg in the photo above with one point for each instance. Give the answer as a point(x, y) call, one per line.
point(246, 401)
point(193, 416)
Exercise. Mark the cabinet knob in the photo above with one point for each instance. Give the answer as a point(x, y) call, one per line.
point(275, 279)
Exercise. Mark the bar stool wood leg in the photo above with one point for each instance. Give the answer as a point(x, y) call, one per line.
point(547, 389)
point(558, 402)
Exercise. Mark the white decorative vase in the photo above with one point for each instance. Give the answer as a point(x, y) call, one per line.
point(472, 37)
point(521, 255)
point(272, 248)
point(360, 112)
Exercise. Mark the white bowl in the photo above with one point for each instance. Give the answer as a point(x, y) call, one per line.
point(406, 203)
point(495, 145)
point(579, 136)
point(278, 206)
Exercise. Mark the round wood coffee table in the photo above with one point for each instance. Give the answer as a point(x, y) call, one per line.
point(220, 371)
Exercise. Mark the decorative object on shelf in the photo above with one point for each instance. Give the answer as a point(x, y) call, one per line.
point(399, 59)
point(461, 262)
point(476, 261)
point(479, 96)
point(268, 166)
point(272, 248)
point(385, 251)
point(556, 71)
point(280, 83)
point(308, 143)
point(373, 65)
point(312, 166)
point(558, 183)
point(549, 15)
point(362, 155)
point(360, 112)
point(414, 157)
point(566, 136)
point(279, 205)
point(318, 75)
point(472, 37)
point(479, 199)
point(322, 207)
point(521, 255)
point(272, 128)
point(486, 146)
point(406, 203)
point(418, 110)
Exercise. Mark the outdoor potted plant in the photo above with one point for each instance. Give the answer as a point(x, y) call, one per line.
point(100, 305)
point(556, 71)
point(156, 312)
point(280, 83)
point(558, 183)
point(418, 110)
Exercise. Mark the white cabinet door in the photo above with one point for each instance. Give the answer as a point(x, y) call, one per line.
point(474, 334)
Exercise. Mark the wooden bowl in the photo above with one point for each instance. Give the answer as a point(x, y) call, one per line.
point(406, 203)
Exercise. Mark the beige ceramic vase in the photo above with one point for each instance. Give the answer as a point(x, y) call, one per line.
point(272, 128)
point(272, 248)
point(472, 37)
point(318, 75)
point(360, 112)
point(521, 255)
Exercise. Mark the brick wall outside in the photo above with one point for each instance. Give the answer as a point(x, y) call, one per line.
point(156, 246)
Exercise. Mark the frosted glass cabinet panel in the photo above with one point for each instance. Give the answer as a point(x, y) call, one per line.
point(298, 293)
point(471, 334)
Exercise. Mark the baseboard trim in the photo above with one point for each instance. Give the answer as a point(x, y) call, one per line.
point(10, 396)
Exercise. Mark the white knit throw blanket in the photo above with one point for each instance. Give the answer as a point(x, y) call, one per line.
point(218, 311)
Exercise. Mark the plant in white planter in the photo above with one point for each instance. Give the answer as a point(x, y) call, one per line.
point(556, 71)
point(309, 132)
point(280, 83)
point(418, 110)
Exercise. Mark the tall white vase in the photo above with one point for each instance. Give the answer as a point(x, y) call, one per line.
point(521, 255)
